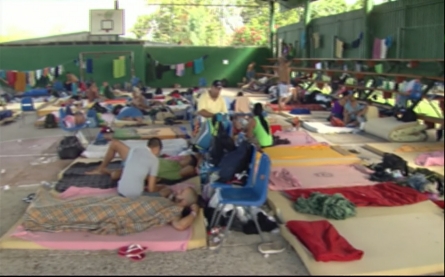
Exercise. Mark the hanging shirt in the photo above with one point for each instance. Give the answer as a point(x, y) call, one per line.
point(198, 65)
point(180, 69)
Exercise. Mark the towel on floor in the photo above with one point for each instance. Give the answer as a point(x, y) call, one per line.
point(334, 206)
point(198, 65)
point(324, 241)
point(380, 195)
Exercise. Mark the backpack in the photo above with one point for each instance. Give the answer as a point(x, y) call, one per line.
point(235, 162)
point(50, 121)
point(98, 108)
point(406, 115)
point(70, 148)
point(220, 144)
point(158, 91)
point(116, 110)
point(394, 162)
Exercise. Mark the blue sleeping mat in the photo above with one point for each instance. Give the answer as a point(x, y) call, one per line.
point(37, 92)
point(300, 111)
point(5, 114)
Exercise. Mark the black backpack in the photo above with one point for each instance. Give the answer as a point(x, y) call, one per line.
point(394, 162)
point(405, 115)
point(221, 144)
point(70, 148)
point(235, 162)
point(99, 109)
point(50, 121)
point(158, 91)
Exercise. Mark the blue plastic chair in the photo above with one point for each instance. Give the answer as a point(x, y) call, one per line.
point(73, 130)
point(246, 197)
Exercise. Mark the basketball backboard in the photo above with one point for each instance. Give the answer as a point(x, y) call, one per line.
point(107, 22)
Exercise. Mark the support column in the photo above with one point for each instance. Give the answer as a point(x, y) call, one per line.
point(116, 7)
point(306, 21)
point(368, 37)
point(272, 30)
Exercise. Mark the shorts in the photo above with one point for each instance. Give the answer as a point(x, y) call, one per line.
point(283, 90)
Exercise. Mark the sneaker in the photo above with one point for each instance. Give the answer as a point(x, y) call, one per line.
point(215, 241)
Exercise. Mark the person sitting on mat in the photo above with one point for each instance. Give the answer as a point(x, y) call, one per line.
point(337, 110)
point(73, 119)
point(106, 91)
point(92, 93)
point(258, 129)
point(354, 113)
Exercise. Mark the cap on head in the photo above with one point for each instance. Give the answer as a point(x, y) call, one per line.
point(217, 84)
point(106, 130)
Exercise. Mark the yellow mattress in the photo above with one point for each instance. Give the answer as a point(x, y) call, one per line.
point(47, 110)
point(18, 106)
point(405, 240)
point(147, 121)
point(310, 155)
point(198, 239)
point(408, 151)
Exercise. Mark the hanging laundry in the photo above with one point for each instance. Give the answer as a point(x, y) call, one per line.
point(319, 66)
point(20, 82)
point(180, 69)
point(376, 50)
point(89, 68)
point(358, 67)
point(378, 68)
point(32, 78)
point(52, 71)
point(2, 74)
point(160, 69)
point(56, 72)
point(198, 66)
point(38, 74)
point(60, 67)
point(11, 76)
point(389, 41)
point(173, 67)
point(316, 40)
point(123, 66)
point(45, 71)
point(303, 40)
point(189, 64)
point(339, 48)
point(383, 49)
point(116, 69)
point(356, 43)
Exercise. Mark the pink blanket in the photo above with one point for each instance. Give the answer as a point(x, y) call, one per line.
point(296, 138)
point(310, 177)
point(162, 239)
point(430, 159)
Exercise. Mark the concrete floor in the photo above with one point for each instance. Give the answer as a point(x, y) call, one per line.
point(22, 145)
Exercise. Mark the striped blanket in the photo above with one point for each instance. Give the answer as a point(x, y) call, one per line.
point(110, 215)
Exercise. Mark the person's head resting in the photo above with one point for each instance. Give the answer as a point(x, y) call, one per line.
point(155, 145)
point(186, 197)
point(188, 160)
point(240, 93)
point(257, 109)
point(215, 89)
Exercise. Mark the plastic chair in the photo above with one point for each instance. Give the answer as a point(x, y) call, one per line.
point(73, 130)
point(27, 106)
point(246, 197)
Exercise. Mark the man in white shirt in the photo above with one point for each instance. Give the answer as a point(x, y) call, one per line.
point(140, 167)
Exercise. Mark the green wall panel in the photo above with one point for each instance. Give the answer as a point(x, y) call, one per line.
point(27, 58)
point(238, 58)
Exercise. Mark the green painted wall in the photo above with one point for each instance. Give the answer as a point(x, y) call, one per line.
point(234, 71)
point(27, 58)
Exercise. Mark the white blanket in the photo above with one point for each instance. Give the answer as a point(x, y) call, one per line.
point(326, 128)
point(170, 147)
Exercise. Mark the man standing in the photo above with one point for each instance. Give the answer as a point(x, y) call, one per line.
point(283, 83)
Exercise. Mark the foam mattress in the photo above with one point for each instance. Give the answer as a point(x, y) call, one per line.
point(391, 129)
point(405, 240)
point(326, 128)
point(146, 133)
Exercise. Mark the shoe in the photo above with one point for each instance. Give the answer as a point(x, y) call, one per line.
point(215, 241)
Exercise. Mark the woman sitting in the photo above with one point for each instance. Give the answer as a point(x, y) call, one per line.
point(258, 129)
point(337, 110)
point(354, 113)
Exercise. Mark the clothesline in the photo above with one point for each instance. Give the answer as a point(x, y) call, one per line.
point(157, 62)
point(64, 63)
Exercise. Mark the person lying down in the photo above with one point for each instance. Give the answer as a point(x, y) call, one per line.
point(112, 215)
point(141, 165)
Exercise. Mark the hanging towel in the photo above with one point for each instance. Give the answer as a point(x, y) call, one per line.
point(303, 40)
point(45, 71)
point(358, 67)
point(356, 43)
point(316, 40)
point(2, 74)
point(20, 82)
point(89, 66)
point(189, 64)
point(56, 72)
point(32, 78)
point(198, 66)
point(338, 48)
point(116, 69)
point(52, 71)
point(379, 68)
point(383, 49)
point(60, 69)
point(11, 77)
point(38, 74)
point(376, 49)
point(180, 69)
point(319, 66)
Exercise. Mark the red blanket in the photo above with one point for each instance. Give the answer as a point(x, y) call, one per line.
point(323, 241)
point(311, 107)
point(385, 194)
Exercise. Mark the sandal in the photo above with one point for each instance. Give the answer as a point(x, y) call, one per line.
point(29, 198)
point(134, 249)
point(136, 257)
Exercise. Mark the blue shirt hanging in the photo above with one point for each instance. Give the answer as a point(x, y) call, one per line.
point(89, 66)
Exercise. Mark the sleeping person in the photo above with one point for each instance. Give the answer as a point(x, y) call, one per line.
point(128, 113)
